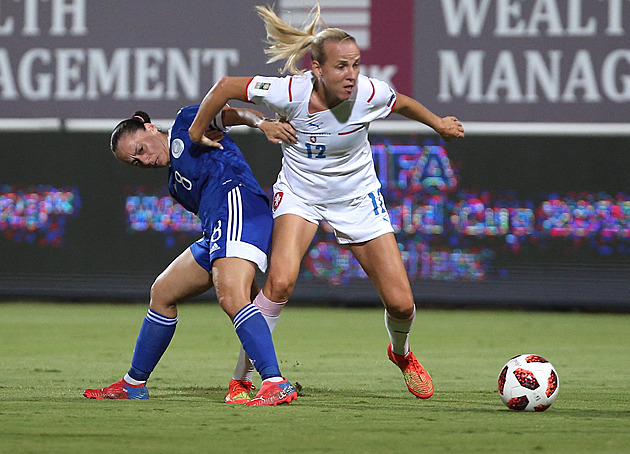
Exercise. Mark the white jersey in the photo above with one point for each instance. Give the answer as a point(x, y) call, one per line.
point(332, 159)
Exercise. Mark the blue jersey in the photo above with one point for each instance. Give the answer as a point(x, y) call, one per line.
point(200, 177)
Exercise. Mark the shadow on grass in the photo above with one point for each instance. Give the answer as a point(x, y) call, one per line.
point(448, 402)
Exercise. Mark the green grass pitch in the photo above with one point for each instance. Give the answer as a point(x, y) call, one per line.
point(352, 400)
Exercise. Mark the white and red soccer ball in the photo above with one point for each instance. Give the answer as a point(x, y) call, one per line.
point(529, 383)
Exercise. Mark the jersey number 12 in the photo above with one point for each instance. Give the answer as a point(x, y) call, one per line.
point(319, 149)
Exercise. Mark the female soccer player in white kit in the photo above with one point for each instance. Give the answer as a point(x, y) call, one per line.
point(327, 169)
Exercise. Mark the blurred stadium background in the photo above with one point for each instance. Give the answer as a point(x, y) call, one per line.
point(532, 209)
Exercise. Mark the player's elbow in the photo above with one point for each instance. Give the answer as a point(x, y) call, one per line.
point(195, 133)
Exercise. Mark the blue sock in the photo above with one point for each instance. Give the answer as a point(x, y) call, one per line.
point(155, 335)
point(253, 331)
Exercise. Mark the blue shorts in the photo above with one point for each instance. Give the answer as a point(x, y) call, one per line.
point(241, 228)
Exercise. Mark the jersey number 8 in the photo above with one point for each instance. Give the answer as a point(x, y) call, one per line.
point(185, 182)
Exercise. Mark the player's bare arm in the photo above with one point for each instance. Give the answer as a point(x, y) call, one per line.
point(276, 131)
point(226, 89)
point(447, 127)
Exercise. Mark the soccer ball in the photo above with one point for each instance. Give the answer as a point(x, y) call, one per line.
point(528, 382)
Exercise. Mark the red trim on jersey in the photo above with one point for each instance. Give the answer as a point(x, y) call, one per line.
point(373, 91)
point(247, 89)
point(392, 109)
point(290, 94)
point(350, 132)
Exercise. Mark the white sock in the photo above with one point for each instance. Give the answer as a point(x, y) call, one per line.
point(274, 380)
point(271, 321)
point(398, 331)
point(244, 370)
point(133, 381)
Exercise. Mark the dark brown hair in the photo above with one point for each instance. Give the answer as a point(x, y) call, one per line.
point(128, 126)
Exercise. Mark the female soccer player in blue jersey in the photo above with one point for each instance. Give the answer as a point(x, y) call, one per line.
point(327, 169)
point(218, 185)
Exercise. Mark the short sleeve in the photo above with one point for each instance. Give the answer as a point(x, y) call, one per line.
point(273, 92)
point(382, 100)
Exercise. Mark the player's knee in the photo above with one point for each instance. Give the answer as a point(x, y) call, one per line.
point(161, 302)
point(228, 303)
point(280, 288)
point(232, 298)
point(401, 307)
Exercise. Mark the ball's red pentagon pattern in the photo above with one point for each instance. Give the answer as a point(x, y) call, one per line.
point(528, 383)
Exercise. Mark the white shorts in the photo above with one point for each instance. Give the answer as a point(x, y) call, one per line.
point(353, 221)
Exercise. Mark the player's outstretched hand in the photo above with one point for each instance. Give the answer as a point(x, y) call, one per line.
point(278, 131)
point(450, 127)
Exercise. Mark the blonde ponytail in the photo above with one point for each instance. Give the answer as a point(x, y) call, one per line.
point(290, 43)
